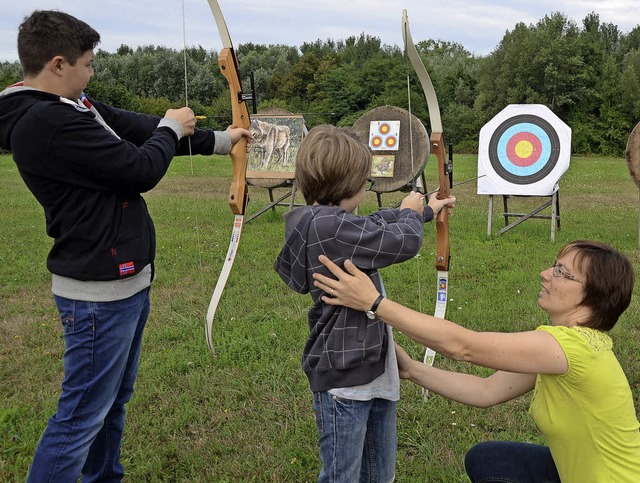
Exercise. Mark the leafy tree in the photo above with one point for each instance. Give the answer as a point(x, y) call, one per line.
point(10, 73)
point(113, 94)
point(268, 64)
point(298, 82)
point(538, 64)
point(454, 73)
point(631, 41)
point(630, 85)
point(359, 50)
point(319, 48)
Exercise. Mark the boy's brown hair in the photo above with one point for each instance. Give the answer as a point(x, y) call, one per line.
point(47, 33)
point(331, 165)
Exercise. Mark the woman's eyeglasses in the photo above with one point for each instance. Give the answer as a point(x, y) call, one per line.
point(559, 271)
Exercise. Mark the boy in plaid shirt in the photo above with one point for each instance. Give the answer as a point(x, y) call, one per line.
point(349, 357)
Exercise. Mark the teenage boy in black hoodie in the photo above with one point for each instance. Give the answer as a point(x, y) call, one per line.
point(87, 164)
point(349, 357)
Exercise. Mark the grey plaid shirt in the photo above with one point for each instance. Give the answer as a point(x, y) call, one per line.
point(345, 348)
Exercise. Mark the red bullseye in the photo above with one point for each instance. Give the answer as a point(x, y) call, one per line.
point(391, 142)
point(524, 149)
point(385, 128)
point(376, 141)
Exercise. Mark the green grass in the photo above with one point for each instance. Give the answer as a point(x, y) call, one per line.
point(247, 415)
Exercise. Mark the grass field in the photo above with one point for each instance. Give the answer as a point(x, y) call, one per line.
point(247, 415)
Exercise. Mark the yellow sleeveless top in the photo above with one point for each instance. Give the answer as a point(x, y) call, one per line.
point(587, 415)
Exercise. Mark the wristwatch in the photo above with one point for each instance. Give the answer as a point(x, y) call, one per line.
point(371, 313)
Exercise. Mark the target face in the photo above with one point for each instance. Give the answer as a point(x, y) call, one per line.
point(524, 150)
point(383, 135)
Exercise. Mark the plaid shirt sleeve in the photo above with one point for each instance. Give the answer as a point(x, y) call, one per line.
point(380, 239)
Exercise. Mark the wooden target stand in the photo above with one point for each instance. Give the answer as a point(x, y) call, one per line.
point(553, 202)
point(400, 168)
point(286, 181)
point(633, 162)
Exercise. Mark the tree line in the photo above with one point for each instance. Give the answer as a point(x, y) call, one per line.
point(588, 74)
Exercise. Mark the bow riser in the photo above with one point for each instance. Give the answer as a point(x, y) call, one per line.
point(238, 194)
point(442, 220)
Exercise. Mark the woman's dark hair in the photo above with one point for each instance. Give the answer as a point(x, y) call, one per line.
point(608, 281)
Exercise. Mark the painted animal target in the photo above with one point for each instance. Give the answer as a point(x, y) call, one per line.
point(524, 150)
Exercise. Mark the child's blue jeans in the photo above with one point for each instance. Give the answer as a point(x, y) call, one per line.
point(357, 439)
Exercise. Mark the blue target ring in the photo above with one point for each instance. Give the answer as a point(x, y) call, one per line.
point(524, 149)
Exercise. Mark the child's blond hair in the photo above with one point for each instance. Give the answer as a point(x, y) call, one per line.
point(331, 165)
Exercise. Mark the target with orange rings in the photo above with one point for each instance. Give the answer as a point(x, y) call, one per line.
point(384, 135)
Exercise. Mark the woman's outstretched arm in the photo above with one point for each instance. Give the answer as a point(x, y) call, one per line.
point(467, 389)
point(523, 352)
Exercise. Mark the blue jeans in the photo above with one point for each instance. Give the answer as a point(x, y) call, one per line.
point(102, 348)
point(508, 462)
point(357, 439)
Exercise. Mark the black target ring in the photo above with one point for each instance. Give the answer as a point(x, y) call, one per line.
point(536, 163)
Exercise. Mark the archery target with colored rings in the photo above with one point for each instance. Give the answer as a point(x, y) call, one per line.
point(524, 150)
point(384, 135)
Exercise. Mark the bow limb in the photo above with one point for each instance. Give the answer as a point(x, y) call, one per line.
point(238, 194)
point(437, 145)
point(444, 171)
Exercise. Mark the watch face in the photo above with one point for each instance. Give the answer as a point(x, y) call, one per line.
point(370, 314)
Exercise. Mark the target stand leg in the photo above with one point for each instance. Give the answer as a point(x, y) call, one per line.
point(292, 201)
point(553, 217)
point(273, 202)
point(490, 218)
point(505, 208)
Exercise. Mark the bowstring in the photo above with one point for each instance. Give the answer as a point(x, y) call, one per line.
point(186, 103)
point(417, 257)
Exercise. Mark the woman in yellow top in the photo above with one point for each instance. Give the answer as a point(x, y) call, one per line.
point(582, 402)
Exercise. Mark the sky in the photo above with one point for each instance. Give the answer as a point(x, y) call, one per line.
point(478, 25)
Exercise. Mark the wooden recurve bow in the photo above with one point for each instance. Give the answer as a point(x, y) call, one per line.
point(444, 178)
point(238, 193)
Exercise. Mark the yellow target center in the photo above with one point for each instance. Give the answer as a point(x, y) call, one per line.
point(524, 149)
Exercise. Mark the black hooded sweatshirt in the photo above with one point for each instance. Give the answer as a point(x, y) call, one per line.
point(89, 180)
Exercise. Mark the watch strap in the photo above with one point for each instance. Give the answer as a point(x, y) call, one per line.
point(374, 307)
